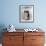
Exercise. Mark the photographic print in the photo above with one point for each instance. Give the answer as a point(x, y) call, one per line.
point(26, 13)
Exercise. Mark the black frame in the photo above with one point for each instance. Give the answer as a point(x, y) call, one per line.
point(20, 13)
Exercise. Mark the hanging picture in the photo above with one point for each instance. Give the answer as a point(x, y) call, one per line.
point(26, 13)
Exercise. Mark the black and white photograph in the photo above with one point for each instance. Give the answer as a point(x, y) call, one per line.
point(26, 13)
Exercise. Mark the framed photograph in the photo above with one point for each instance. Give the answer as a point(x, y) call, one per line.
point(26, 13)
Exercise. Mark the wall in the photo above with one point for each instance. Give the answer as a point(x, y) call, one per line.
point(10, 13)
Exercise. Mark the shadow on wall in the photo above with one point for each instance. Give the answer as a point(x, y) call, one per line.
point(2, 26)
